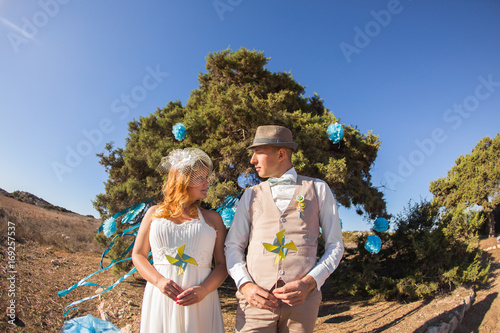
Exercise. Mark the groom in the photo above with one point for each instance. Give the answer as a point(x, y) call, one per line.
point(281, 293)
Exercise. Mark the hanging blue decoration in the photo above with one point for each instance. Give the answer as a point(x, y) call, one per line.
point(82, 282)
point(227, 215)
point(88, 324)
point(381, 224)
point(110, 224)
point(133, 216)
point(341, 225)
point(179, 131)
point(109, 227)
point(227, 209)
point(132, 210)
point(133, 213)
point(335, 132)
point(373, 244)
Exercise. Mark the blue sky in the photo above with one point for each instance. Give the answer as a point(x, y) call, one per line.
point(423, 75)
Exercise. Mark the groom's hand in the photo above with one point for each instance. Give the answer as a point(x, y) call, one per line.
point(259, 297)
point(295, 292)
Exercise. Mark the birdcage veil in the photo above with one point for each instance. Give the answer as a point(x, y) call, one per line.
point(194, 163)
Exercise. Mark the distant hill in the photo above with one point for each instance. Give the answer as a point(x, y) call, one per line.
point(32, 199)
point(53, 226)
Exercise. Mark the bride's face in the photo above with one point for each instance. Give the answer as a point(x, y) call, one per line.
point(200, 188)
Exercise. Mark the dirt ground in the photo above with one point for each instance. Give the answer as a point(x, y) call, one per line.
point(41, 271)
point(484, 315)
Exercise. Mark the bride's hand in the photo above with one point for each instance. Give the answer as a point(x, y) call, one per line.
point(192, 296)
point(169, 288)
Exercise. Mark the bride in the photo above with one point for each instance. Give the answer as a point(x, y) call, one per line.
point(181, 290)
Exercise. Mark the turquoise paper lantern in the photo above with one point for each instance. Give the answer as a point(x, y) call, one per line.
point(335, 132)
point(109, 227)
point(179, 131)
point(373, 244)
point(381, 224)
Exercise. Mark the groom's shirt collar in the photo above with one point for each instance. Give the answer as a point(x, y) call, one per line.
point(292, 175)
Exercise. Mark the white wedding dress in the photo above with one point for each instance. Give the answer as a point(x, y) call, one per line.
point(160, 313)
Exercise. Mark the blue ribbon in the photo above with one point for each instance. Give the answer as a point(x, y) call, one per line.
point(124, 233)
point(229, 202)
point(132, 231)
point(126, 210)
point(64, 292)
point(82, 282)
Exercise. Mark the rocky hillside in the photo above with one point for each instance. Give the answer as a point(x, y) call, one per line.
point(32, 199)
point(47, 225)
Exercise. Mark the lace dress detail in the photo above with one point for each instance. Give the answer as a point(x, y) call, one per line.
point(160, 313)
point(203, 258)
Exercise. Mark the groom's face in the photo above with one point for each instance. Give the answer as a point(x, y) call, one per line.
point(266, 161)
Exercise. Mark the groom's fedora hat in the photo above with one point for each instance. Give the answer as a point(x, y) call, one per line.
point(272, 135)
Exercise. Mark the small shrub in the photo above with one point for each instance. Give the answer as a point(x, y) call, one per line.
point(101, 240)
point(421, 258)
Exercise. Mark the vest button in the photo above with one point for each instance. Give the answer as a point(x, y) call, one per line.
point(281, 272)
point(283, 220)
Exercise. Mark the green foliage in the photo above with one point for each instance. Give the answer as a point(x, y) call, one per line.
point(235, 96)
point(417, 260)
point(350, 236)
point(361, 272)
point(120, 245)
point(434, 246)
point(474, 179)
point(101, 240)
point(462, 224)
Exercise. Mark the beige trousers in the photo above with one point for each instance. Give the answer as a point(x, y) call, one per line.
point(297, 319)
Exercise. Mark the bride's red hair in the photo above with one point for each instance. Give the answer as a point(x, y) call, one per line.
point(175, 194)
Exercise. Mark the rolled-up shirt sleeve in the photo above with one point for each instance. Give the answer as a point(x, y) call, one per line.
point(332, 234)
point(237, 241)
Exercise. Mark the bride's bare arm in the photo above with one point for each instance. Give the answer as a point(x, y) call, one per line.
point(219, 273)
point(140, 259)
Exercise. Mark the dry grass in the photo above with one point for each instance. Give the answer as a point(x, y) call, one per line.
point(55, 250)
point(67, 231)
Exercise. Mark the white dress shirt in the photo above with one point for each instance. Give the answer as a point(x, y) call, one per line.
point(237, 238)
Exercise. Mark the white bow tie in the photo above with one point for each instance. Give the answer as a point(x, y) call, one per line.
point(286, 179)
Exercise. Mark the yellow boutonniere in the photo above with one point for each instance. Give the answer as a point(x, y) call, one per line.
point(301, 204)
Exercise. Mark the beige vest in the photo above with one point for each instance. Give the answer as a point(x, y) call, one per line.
point(267, 220)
